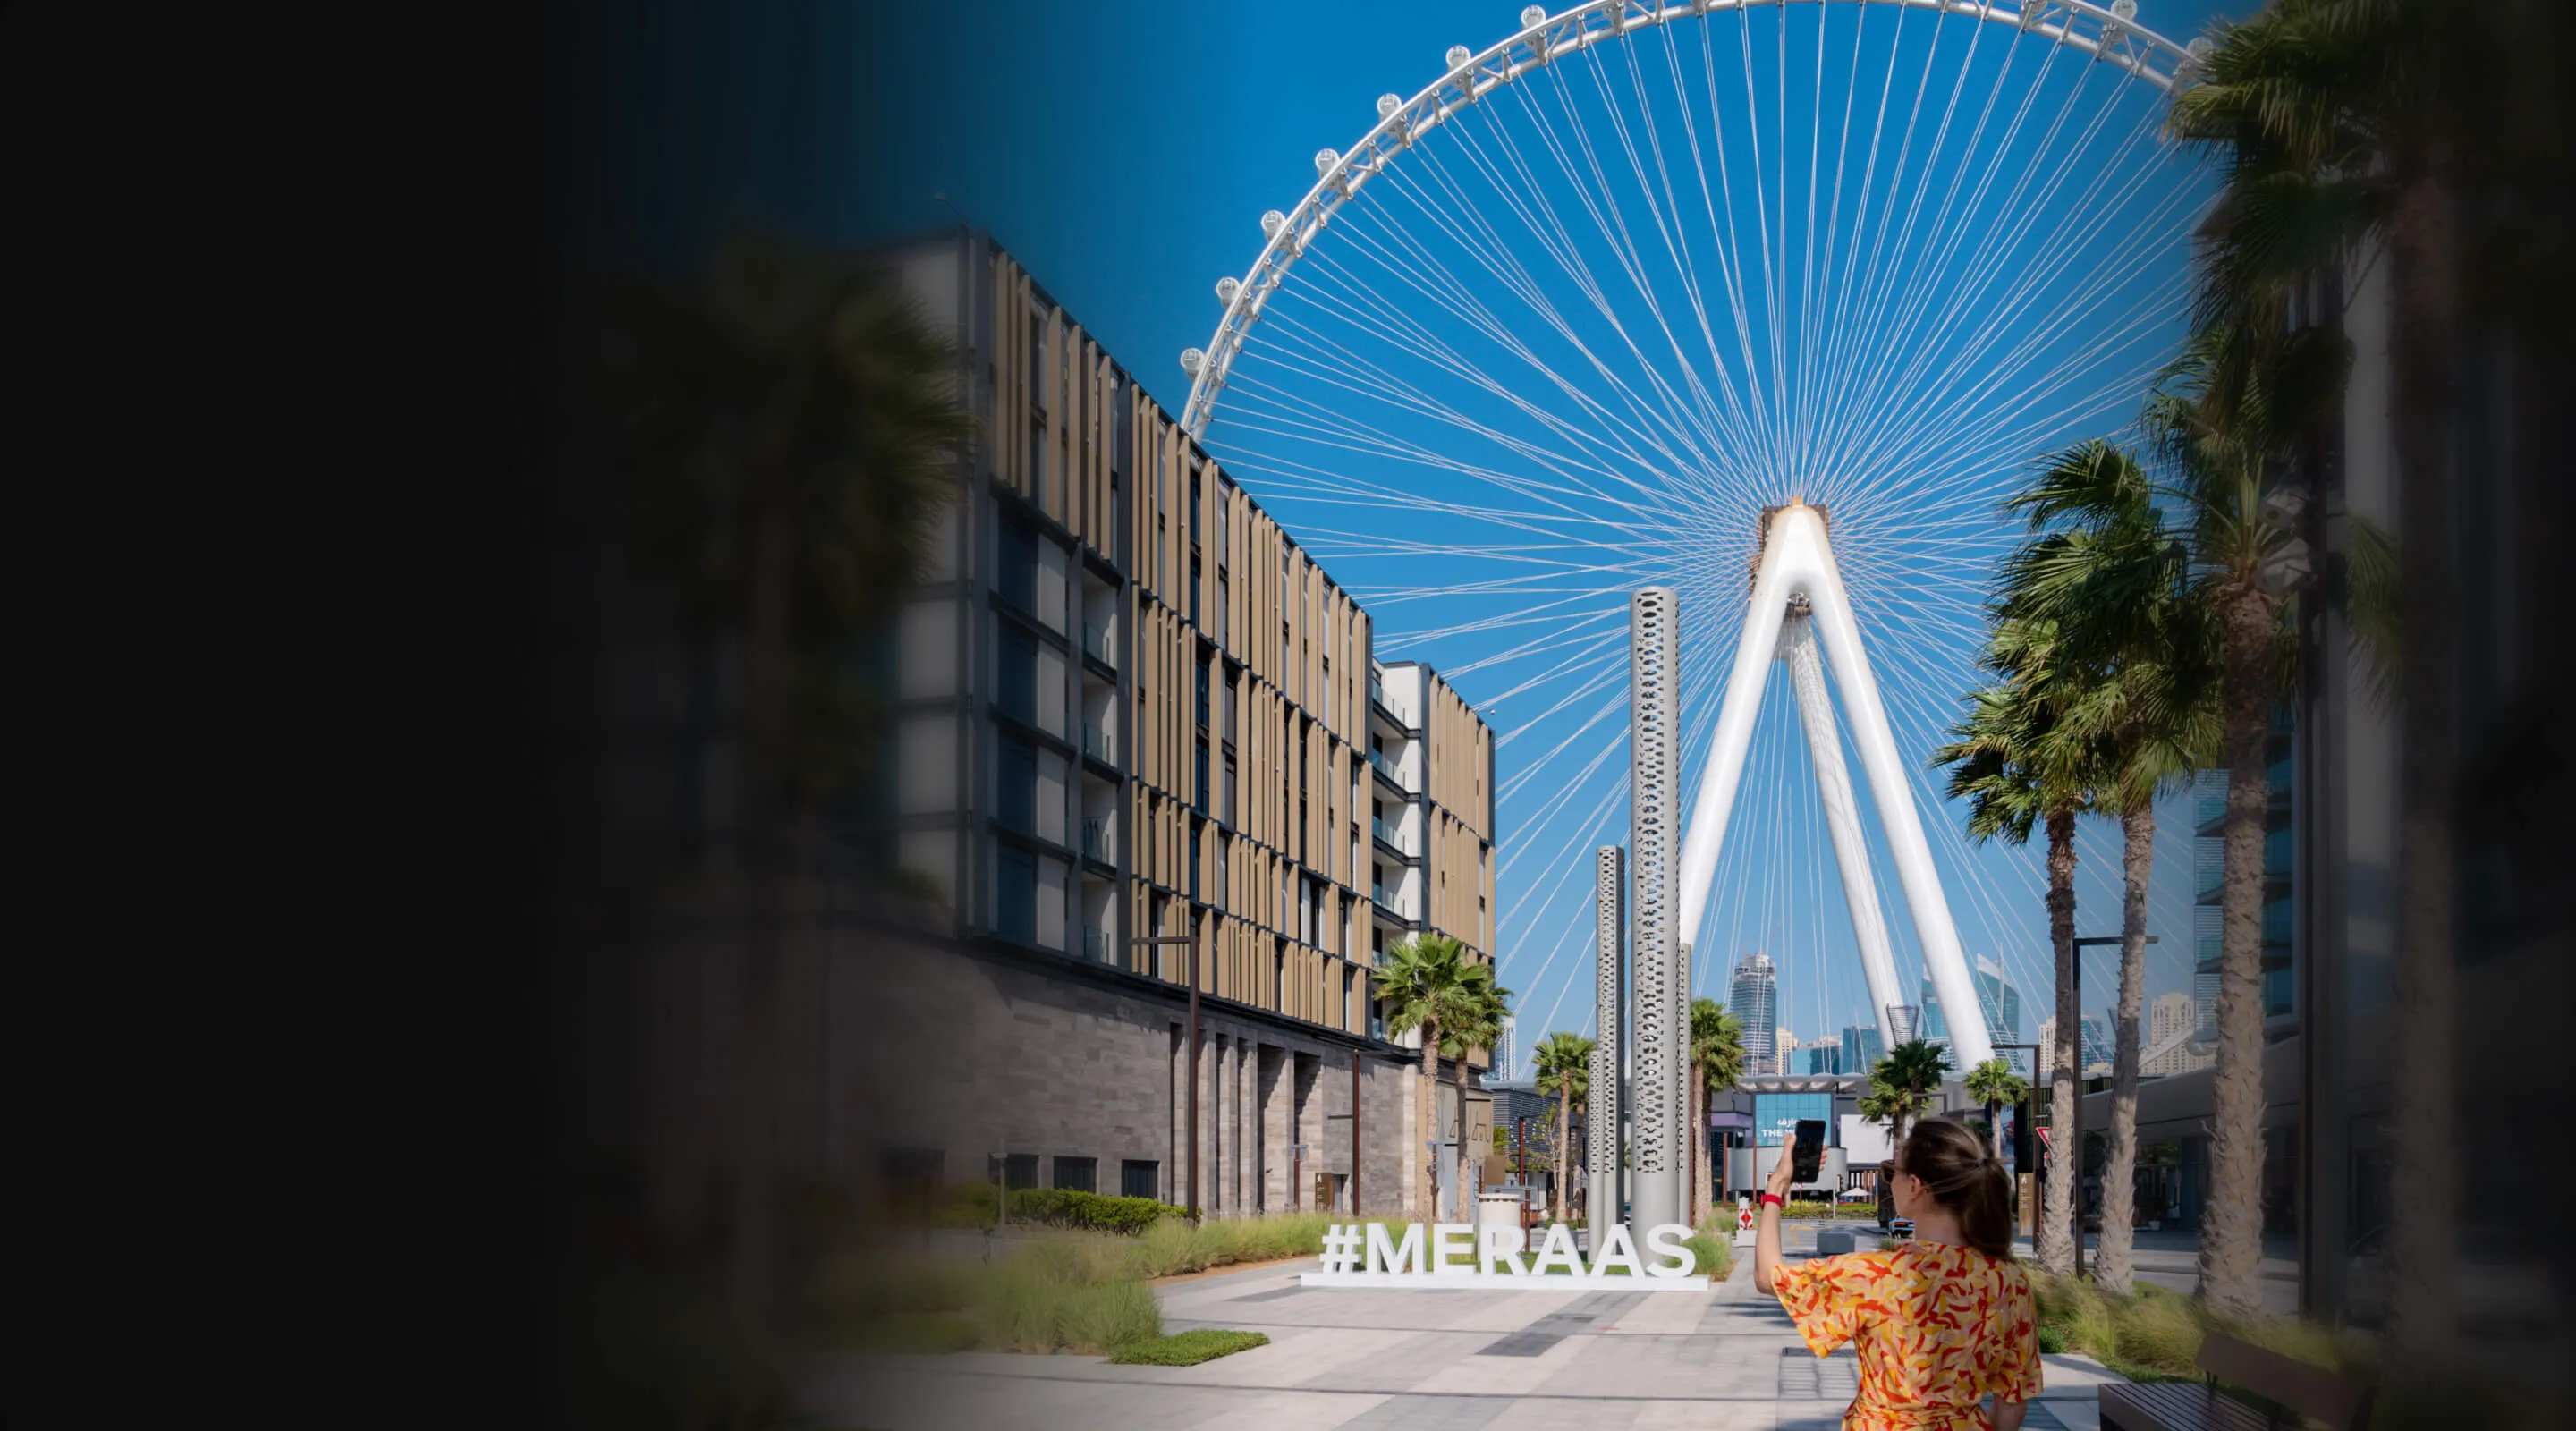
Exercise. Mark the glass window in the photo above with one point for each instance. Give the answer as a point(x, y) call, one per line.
point(1015, 783)
point(1138, 1177)
point(1019, 1170)
point(1078, 1174)
point(1015, 676)
point(1017, 877)
point(1015, 572)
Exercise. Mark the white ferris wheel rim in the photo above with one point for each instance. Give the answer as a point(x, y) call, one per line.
point(2115, 37)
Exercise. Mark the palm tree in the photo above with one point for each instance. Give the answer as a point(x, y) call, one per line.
point(1894, 1104)
point(2009, 762)
point(1717, 1063)
point(1565, 1069)
point(1430, 985)
point(1994, 1084)
point(1914, 1067)
point(776, 442)
point(1416, 984)
point(1473, 1021)
point(2134, 656)
point(2343, 125)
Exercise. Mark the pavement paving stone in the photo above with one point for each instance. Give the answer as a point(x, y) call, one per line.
point(1431, 1413)
point(1351, 1358)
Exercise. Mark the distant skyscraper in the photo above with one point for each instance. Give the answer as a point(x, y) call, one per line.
point(1787, 1044)
point(1862, 1048)
point(1822, 1058)
point(2047, 1048)
point(2170, 1025)
point(2000, 1001)
point(1755, 1001)
point(1507, 1050)
point(2097, 1046)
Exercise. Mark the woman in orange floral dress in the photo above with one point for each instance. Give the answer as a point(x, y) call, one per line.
point(1943, 1321)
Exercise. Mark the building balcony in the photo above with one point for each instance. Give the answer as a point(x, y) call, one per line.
point(1095, 744)
point(1095, 838)
point(1095, 945)
point(1095, 644)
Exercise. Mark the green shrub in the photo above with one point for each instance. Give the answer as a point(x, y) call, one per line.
point(1104, 1316)
point(1711, 1253)
point(1088, 1212)
point(857, 1287)
point(2051, 1340)
point(1173, 1246)
point(2157, 1331)
point(964, 1205)
point(1187, 1348)
point(917, 1332)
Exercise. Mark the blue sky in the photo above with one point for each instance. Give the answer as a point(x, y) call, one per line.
point(1124, 152)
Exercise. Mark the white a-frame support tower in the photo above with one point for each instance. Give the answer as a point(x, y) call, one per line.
point(1798, 601)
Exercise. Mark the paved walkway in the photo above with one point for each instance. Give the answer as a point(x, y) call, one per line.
point(1413, 1361)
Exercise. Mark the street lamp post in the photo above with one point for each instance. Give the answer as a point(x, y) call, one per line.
point(1158, 941)
point(2075, 1113)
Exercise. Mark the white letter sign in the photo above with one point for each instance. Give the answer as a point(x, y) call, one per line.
point(1458, 1255)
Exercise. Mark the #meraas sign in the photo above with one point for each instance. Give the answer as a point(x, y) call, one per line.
point(1458, 1254)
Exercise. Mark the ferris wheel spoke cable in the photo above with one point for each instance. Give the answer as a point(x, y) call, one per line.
point(1523, 340)
point(1314, 414)
point(1511, 343)
point(1604, 214)
point(1566, 465)
point(1676, 246)
point(2012, 306)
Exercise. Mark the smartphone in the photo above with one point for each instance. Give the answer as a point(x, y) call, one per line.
point(1809, 1155)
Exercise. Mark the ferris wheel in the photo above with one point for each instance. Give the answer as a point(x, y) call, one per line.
point(1570, 319)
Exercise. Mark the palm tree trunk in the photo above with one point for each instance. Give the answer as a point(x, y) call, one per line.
point(2111, 1267)
point(1564, 1143)
point(1994, 1129)
point(2231, 1221)
point(2059, 1228)
point(1698, 1134)
point(1458, 1074)
point(2423, 1303)
point(1429, 1101)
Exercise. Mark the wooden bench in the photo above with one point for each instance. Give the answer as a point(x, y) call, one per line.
point(2308, 1391)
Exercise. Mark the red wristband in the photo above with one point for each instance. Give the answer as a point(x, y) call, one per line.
point(1772, 1200)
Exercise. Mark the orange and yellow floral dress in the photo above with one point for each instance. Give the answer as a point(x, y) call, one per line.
point(1939, 1328)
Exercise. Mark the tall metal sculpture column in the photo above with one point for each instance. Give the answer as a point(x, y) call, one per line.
point(1610, 960)
point(1660, 983)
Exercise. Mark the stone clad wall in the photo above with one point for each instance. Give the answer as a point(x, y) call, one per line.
point(973, 1056)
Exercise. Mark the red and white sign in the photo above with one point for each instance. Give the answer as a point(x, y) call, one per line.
point(1743, 1215)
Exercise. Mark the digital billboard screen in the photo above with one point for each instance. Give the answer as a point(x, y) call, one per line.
point(1776, 1115)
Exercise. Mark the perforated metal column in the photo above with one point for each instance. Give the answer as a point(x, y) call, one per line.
point(1610, 961)
point(1654, 849)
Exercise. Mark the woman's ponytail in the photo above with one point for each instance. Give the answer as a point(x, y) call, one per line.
point(1962, 1176)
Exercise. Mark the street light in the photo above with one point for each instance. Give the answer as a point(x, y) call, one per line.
point(2075, 1110)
